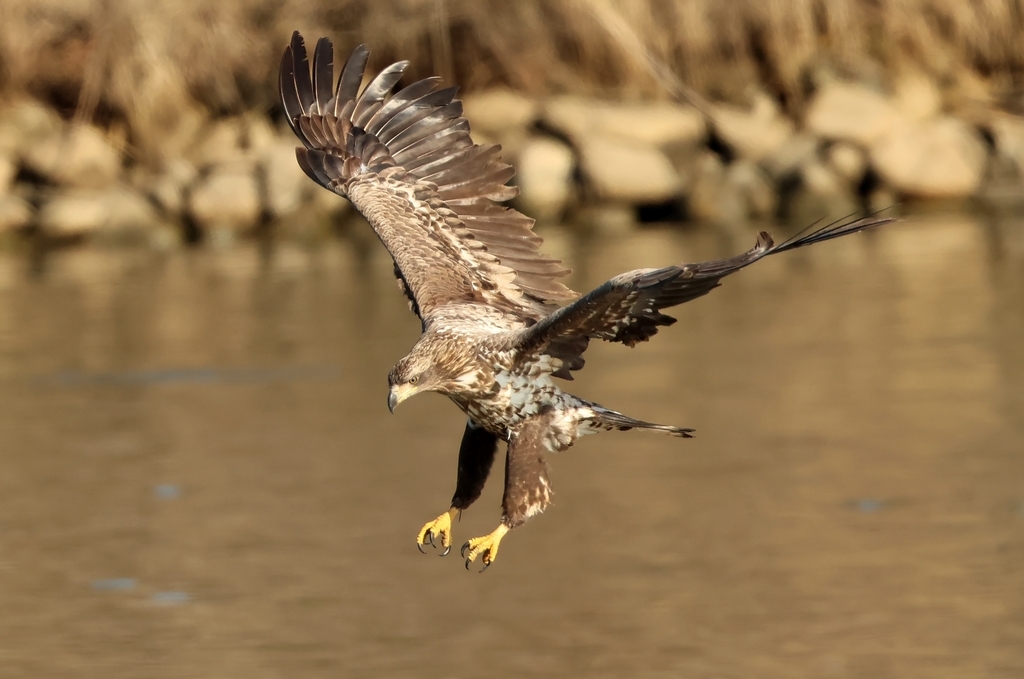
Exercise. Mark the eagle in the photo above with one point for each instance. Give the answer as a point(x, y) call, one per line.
point(498, 325)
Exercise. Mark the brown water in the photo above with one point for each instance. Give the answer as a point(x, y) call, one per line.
point(199, 476)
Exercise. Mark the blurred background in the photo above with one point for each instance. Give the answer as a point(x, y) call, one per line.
point(198, 473)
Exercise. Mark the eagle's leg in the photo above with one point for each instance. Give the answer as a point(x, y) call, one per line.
point(476, 456)
point(527, 491)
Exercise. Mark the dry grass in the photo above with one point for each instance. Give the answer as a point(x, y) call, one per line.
point(162, 66)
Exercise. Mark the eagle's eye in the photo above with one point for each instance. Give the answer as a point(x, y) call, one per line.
point(414, 379)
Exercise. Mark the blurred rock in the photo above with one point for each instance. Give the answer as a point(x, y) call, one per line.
point(627, 171)
point(228, 199)
point(1008, 134)
point(851, 112)
point(712, 198)
point(496, 113)
point(129, 211)
point(74, 212)
point(232, 140)
point(752, 187)
point(652, 123)
point(8, 171)
point(819, 194)
point(10, 143)
point(755, 134)
point(618, 146)
point(1003, 187)
point(916, 97)
point(259, 135)
point(786, 161)
point(168, 187)
point(221, 142)
point(545, 174)
point(15, 212)
point(512, 145)
point(286, 186)
point(25, 123)
point(685, 157)
point(847, 161)
point(939, 158)
point(80, 157)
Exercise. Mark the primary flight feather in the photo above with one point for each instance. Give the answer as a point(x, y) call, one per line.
point(497, 322)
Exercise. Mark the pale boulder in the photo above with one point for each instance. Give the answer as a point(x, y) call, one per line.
point(652, 123)
point(15, 212)
point(938, 158)
point(226, 200)
point(219, 142)
point(754, 134)
point(819, 195)
point(8, 171)
point(1008, 133)
point(260, 135)
point(786, 161)
point(625, 171)
point(545, 177)
point(25, 123)
point(1004, 179)
point(714, 197)
point(851, 112)
point(78, 212)
point(498, 112)
point(286, 186)
point(73, 213)
point(167, 188)
point(622, 147)
point(753, 188)
point(80, 157)
point(847, 161)
point(130, 212)
point(916, 96)
point(223, 141)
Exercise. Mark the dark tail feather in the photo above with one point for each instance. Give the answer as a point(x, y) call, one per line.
point(613, 420)
point(842, 227)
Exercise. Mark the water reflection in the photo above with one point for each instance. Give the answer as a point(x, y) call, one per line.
point(210, 426)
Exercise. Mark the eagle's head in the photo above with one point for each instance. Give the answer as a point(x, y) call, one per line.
point(422, 371)
point(410, 376)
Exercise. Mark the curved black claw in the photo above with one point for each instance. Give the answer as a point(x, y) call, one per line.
point(483, 560)
point(428, 537)
point(446, 550)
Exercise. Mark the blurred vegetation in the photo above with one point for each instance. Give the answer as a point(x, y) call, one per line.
point(159, 67)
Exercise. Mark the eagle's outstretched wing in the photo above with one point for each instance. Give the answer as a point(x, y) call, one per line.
point(628, 308)
point(407, 162)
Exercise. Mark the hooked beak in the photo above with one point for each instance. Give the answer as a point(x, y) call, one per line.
point(398, 393)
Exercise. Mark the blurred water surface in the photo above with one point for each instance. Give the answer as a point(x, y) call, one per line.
point(199, 476)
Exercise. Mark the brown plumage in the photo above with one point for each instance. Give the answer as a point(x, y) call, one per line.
point(498, 324)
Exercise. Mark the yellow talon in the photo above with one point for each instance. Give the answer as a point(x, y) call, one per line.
point(485, 547)
point(440, 528)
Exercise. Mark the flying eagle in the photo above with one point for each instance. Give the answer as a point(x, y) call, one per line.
point(497, 322)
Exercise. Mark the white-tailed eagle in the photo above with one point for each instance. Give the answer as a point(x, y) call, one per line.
point(498, 325)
